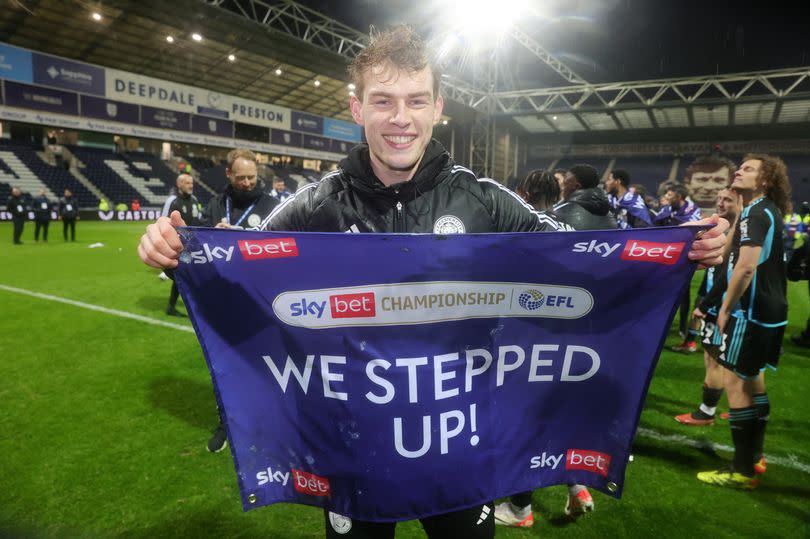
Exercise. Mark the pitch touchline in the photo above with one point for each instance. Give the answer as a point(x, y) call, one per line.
point(790, 461)
point(114, 312)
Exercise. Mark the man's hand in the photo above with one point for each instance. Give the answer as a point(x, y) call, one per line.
point(697, 313)
point(708, 250)
point(722, 320)
point(161, 245)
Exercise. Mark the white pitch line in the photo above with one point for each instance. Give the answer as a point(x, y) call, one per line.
point(114, 312)
point(791, 461)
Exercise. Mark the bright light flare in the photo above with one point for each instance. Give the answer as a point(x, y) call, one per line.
point(196, 37)
point(471, 17)
point(96, 16)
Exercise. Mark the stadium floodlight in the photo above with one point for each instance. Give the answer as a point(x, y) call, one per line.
point(278, 71)
point(352, 86)
point(196, 37)
point(317, 83)
point(231, 58)
point(96, 16)
point(476, 18)
point(351, 93)
point(444, 122)
point(170, 39)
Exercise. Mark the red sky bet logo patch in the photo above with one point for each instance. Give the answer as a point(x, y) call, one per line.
point(273, 248)
point(309, 483)
point(648, 251)
point(353, 305)
point(591, 461)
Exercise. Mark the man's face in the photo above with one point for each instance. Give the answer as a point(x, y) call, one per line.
point(612, 185)
point(569, 185)
point(397, 111)
point(705, 185)
point(673, 199)
point(727, 204)
point(747, 176)
point(279, 185)
point(68, 194)
point(15, 192)
point(242, 174)
point(42, 192)
point(185, 184)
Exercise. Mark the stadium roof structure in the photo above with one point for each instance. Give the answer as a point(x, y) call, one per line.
point(576, 88)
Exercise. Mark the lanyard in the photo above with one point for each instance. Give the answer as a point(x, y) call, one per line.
point(228, 212)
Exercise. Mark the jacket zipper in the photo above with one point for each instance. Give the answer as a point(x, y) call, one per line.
point(399, 220)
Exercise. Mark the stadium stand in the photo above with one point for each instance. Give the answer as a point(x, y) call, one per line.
point(121, 179)
point(21, 166)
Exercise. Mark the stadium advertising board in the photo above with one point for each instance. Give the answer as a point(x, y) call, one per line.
point(107, 109)
point(286, 138)
point(68, 75)
point(211, 126)
point(165, 119)
point(38, 98)
point(338, 129)
point(453, 370)
point(15, 64)
point(308, 123)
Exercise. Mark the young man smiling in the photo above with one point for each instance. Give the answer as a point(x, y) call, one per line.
point(400, 181)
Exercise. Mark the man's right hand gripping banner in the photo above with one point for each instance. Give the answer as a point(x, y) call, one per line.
point(389, 377)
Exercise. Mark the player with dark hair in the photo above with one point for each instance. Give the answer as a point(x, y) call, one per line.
point(584, 206)
point(401, 180)
point(540, 189)
point(628, 206)
point(753, 315)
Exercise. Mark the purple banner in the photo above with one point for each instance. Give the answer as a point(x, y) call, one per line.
point(166, 119)
point(285, 138)
point(454, 370)
point(107, 109)
point(316, 143)
point(34, 97)
point(309, 123)
point(211, 126)
point(76, 76)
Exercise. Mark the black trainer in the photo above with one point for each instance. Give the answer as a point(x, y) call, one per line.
point(219, 440)
point(171, 311)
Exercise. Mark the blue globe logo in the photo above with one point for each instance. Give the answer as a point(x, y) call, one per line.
point(531, 300)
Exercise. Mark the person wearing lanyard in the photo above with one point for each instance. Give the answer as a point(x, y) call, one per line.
point(18, 211)
point(243, 204)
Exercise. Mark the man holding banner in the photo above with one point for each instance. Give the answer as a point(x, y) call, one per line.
point(400, 181)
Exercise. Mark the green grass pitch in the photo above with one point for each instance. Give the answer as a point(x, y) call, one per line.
point(104, 421)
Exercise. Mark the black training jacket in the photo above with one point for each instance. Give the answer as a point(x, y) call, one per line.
point(441, 198)
point(587, 209)
point(16, 207)
point(42, 208)
point(257, 201)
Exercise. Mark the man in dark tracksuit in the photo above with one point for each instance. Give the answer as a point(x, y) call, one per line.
point(17, 209)
point(42, 215)
point(400, 181)
point(69, 212)
point(189, 207)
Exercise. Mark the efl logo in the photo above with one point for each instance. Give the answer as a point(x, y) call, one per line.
point(648, 251)
point(311, 484)
point(274, 248)
point(591, 461)
point(353, 305)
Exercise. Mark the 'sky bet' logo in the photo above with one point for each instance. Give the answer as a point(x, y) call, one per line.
point(206, 254)
point(648, 251)
point(272, 248)
point(591, 461)
point(309, 483)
